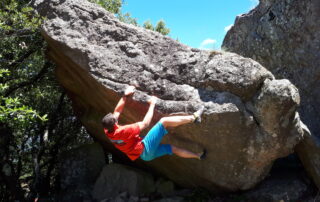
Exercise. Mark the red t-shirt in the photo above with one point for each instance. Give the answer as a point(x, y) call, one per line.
point(127, 139)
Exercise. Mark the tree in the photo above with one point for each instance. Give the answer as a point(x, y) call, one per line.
point(148, 25)
point(36, 120)
point(161, 28)
point(114, 6)
point(127, 19)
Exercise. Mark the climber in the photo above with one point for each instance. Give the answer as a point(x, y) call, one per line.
point(127, 138)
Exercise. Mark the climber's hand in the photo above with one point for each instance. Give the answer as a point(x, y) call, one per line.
point(129, 91)
point(152, 100)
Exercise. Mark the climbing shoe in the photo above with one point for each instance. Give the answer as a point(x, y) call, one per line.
point(197, 115)
point(203, 155)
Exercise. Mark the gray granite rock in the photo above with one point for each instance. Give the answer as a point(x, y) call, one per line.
point(116, 179)
point(284, 36)
point(286, 186)
point(78, 170)
point(98, 56)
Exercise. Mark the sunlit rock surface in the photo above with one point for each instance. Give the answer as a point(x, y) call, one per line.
point(284, 36)
point(97, 57)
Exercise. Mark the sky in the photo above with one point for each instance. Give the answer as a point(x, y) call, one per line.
point(196, 23)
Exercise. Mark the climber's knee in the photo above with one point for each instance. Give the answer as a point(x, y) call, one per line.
point(164, 121)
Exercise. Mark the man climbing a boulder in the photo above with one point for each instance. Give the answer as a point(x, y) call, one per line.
point(127, 138)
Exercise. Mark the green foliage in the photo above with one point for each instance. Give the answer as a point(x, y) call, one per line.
point(13, 112)
point(114, 6)
point(16, 23)
point(127, 19)
point(17, 18)
point(18, 113)
point(161, 28)
point(36, 119)
point(148, 25)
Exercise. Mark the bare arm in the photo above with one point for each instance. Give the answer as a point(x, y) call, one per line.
point(118, 109)
point(148, 117)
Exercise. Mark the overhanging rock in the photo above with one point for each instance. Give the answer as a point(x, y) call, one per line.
point(97, 57)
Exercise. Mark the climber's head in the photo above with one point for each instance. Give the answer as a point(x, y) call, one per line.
point(108, 122)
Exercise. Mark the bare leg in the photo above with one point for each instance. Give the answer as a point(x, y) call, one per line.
point(173, 121)
point(184, 153)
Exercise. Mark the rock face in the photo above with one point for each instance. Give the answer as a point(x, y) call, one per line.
point(79, 169)
point(116, 178)
point(284, 36)
point(287, 187)
point(309, 153)
point(250, 118)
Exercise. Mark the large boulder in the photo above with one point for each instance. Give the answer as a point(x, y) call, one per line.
point(284, 36)
point(275, 190)
point(78, 169)
point(116, 179)
point(309, 153)
point(249, 116)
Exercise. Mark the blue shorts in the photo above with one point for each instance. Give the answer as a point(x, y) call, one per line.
point(152, 146)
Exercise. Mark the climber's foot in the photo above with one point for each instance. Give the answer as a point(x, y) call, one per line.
point(197, 115)
point(203, 155)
